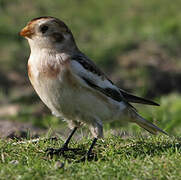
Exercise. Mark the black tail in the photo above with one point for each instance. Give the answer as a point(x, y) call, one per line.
point(135, 99)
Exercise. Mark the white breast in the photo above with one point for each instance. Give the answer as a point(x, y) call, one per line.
point(62, 92)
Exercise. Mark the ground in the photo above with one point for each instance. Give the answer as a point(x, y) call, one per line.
point(124, 153)
point(132, 157)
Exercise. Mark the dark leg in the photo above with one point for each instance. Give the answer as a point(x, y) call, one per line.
point(60, 151)
point(91, 147)
point(89, 156)
point(69, 138)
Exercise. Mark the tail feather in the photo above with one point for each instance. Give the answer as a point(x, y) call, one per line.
point(147, 125)
point(135, 99)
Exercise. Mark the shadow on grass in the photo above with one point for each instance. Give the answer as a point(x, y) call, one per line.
point(142, 149)
point(138, 149)
point(78, 154)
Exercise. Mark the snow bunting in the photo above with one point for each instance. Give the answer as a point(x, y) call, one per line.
point(72, 86)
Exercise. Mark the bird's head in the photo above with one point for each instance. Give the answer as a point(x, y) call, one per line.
point(48, 32)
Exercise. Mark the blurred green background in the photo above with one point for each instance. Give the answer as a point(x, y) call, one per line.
point(136, 42)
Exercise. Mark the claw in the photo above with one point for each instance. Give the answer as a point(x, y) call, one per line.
point(60, 151)
point(51, 151)
point(90, 157)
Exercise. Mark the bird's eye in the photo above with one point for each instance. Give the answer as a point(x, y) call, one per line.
point(43, 28)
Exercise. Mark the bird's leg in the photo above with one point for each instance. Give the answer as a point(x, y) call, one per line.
point(69, 138)
point(60, 151)
point(96, 129)
point(91, 147)
point(89, 156)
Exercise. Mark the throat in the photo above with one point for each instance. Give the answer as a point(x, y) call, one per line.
point(48, 64)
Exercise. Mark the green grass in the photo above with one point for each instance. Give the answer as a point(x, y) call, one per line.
point(132, 158)
point(117, 28)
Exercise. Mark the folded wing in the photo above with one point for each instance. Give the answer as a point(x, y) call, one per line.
point(96, 79)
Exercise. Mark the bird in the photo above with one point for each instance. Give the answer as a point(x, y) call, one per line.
point(73, 87)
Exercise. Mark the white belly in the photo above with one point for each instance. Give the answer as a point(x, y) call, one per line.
point(74, 102)
point(66, 97)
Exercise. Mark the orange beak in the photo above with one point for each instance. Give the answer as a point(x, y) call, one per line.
point(26, 32)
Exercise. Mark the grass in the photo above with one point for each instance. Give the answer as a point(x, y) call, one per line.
point(131, 158)
point(131, 24)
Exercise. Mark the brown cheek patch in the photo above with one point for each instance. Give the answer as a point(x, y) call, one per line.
point(57, 37)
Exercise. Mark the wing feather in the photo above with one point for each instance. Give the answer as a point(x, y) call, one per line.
point(95, 78)
point(135, 99)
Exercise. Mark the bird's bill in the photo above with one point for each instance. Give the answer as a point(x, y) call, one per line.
point(26, 32)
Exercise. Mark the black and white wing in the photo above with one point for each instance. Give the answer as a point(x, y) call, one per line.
point(96, 79)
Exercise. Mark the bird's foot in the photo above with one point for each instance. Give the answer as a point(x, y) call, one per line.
point(88, 157)
point(60, 151)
